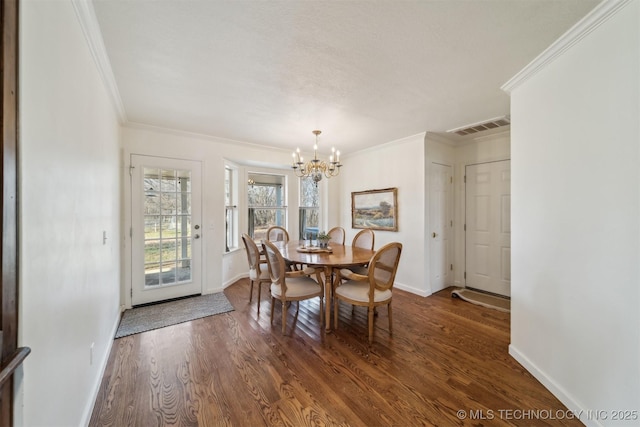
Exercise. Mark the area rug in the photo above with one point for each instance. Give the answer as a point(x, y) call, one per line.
point(483, 299)
point(147, 318)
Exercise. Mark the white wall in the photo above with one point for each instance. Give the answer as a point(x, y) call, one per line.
point(576, 219)
point(398, 164)
point(69, 194)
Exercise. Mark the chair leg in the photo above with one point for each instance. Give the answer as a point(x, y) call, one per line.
point(273, 304)
point(259, 295)
point(321, 311)
point(370, 325)
point(251, 291)
point(284, 316)
point(336, 307)
point(390, 320)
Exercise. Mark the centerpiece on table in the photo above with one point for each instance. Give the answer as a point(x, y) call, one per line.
point(323, 239)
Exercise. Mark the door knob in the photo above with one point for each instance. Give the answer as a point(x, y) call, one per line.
point(197, 236)
point(434, 234)
point(197, 227)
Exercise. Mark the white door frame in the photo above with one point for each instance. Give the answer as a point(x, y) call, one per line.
point(127, 254)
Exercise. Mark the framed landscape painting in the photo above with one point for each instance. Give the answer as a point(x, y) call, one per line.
point(375, 209)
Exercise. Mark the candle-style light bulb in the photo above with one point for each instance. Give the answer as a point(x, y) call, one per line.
point(338, 156)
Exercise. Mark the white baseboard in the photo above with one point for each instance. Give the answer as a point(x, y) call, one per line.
point(572, 404)
point(104, 359)
point(403, 287)
point(233, 280)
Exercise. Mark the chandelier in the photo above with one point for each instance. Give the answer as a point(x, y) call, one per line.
point(316, 168)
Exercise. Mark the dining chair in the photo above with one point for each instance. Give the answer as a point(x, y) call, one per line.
point(364, 239)
point(371, 290)
point(256, 272)
point(277, 233)
point(337, 235)
point(288, 285)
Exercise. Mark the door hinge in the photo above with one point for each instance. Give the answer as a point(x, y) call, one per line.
point(451, 179)
point(465, 275)
point(131, 292)
point(451, 267)
point(131, 168)
point(451, 223)
point(465, 179)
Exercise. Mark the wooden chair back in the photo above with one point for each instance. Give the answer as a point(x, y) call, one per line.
point(337, 235)
point(277, 234)
point(383, 267)
point(364, 239)
point(253, 253)
point(276, 265)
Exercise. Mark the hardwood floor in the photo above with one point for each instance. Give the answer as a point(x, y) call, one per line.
point(235, 369)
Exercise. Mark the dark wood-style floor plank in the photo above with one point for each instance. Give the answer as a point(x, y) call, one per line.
point(236, 369)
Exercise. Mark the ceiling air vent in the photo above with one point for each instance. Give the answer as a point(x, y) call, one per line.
point(482, 126)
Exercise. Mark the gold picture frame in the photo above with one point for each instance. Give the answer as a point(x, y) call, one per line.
point(375, 209)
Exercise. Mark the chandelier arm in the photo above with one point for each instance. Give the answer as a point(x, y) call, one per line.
point(316, 168)
point(298, 174)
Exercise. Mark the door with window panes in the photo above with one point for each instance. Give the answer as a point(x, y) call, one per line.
point(166, 229)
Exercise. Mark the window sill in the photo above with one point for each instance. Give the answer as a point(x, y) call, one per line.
point(232, 251)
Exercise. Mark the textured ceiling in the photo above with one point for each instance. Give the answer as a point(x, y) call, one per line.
point(364, 72)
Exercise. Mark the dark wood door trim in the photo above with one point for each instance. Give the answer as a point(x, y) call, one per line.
point(10, 355)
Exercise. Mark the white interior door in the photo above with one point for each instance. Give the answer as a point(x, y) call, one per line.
point(488, 227)
point(441, 225)
point(166, 228)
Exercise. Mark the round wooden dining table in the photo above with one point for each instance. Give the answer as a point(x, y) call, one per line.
point(339, 256)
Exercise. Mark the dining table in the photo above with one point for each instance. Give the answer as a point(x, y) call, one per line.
point(332, 258)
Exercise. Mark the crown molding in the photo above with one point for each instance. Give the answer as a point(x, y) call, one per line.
point(201, 136)
point(441, 138)
point(600, 14)
point(91, 30)
point(395, 142)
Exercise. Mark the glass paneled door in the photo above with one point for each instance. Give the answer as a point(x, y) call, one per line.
point(166, 230)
